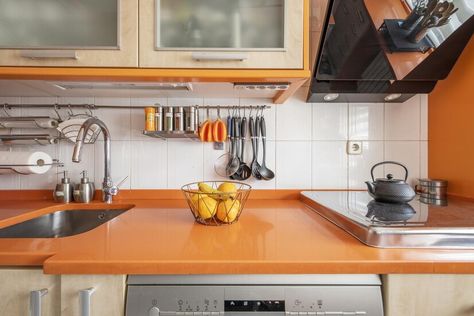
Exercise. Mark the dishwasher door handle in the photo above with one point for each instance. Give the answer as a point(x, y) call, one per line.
point(36, 301)
point(85, 301)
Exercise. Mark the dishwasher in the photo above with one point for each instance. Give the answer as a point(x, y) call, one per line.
point(254, 295)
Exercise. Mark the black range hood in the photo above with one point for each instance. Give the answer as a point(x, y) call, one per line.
point(358, 63)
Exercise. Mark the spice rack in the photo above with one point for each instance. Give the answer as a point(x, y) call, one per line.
point(188, 127)
point(175, 134)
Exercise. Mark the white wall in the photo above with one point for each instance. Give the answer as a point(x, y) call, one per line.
point(306, 147)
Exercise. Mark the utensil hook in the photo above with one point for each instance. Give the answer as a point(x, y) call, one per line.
point(69, 111)
point(56, 111)
point(5, 109)
point(89, 110)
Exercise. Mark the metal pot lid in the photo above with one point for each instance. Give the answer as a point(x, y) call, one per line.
point(390, 179)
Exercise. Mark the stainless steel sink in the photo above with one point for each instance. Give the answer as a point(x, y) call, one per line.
point(60, 223)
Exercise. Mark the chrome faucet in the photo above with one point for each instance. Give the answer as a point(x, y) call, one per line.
point(108, 188)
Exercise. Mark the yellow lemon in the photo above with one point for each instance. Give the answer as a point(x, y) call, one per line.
point(228, 210)
point(205, 188)
point(228, 188)
point(195, 197)
point(207, 207)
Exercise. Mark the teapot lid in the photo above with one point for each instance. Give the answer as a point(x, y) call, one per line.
point(390, 179)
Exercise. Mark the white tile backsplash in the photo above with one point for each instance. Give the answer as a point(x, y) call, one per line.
point(306, 144)
point(117, 120)
point(402, 120)
point(149, 163)
point(330, 121)
point(8, 180)
point(293, 165)
point(423, 117)
point(294, 119)
point(329, 165)
point(366, 121)
point(424, 159)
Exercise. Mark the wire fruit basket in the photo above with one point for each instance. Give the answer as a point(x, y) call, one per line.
point(216, 203)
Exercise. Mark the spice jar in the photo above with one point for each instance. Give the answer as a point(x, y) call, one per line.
point(178, 119)
point(150, 119)
point(190, 119)
point(168, 119)
point(159, 119)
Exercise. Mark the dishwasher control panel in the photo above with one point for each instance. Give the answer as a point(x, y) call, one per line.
point(244, 300)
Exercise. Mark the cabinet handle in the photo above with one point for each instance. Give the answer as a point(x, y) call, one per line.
point(203, 56)
point(35, 301)
point(44, 54)
point(85, 301)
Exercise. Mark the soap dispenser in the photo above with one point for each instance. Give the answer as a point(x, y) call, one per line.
point(63, 191)
point(84, 191)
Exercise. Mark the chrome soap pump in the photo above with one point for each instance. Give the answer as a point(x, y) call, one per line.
point(63, 191)
point(85, 190)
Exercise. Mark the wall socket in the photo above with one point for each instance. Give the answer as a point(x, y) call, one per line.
point(354, 147)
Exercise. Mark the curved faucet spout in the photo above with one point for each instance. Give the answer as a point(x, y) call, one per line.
point(107, 185)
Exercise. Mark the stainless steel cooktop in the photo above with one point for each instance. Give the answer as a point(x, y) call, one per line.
point(413, 225)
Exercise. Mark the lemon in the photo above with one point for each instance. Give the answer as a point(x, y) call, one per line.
point(205, 188)
point(227, 187)
point(195, 197)
point(228, 210)
point(207, 207)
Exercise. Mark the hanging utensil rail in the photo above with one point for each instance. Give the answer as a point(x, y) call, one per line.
point(90, 106)
point(31, 139)
point(54, 163)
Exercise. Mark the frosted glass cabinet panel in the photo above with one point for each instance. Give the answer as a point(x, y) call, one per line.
point(221, 34)
point(76, 33)
point(59, 24)
point(211, 24)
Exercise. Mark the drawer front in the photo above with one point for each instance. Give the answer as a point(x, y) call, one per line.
point(126, 55)
point(288, 57)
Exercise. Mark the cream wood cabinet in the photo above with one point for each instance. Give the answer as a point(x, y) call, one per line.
point(16, 286)
point(69, 33)
point(65, 295)
point(434, 295)
point(106, 293)
point(221, 34)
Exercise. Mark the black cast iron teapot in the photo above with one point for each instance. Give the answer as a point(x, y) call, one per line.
point(390, 190)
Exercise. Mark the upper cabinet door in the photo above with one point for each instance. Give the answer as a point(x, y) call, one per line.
point(221, 34)
point(72, 33)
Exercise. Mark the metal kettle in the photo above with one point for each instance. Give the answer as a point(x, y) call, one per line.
point(390, 190)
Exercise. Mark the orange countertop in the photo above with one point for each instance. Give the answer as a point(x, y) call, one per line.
point(160, 237)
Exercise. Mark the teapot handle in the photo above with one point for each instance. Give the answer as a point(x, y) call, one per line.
point(388, 162)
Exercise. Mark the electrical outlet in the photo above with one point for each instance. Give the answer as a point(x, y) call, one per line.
point(354, 147)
